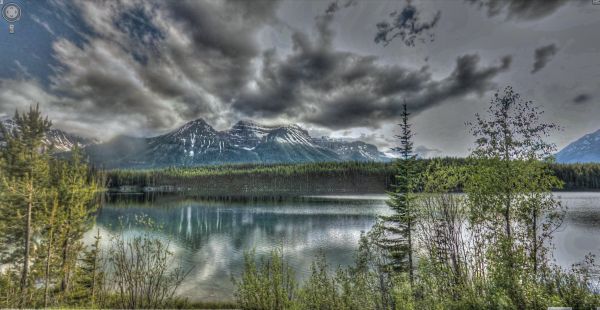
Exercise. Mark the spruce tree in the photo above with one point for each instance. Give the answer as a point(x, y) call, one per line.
point(89, 276)
point(24, 182)
point(46, 200)
point(397, 236)
point(76, 190)
point(48, 246)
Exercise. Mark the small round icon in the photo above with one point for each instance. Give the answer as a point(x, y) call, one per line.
point(11, 12)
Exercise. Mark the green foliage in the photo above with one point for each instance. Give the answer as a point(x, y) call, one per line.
point(484, 249)
point(24, 182)
point(365, 285)
point(90, 276)
point(450, 272)
point(487, 248)
point(270, 182)
point(142, 271)
point(44, 206)
point(319, 291)
point(509, 191)
point(397, 235)
point(270, 284)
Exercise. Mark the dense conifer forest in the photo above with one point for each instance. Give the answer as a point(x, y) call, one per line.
point(307, 179)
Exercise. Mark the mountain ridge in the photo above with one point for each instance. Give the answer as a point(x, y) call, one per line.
point(583, 150)
point(197, 143)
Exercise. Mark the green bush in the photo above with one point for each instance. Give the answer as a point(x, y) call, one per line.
point(270, 284)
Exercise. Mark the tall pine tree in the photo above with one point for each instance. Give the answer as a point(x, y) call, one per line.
point(46, 205)
point(76, 189)
point(24, 181)
point(397, 235)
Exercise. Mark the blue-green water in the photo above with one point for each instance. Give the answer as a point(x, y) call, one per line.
point(211, 237)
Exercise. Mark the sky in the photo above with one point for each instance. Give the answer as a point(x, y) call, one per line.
point(337, 68)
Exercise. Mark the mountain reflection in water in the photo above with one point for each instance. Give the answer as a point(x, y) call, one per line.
point(211, 237)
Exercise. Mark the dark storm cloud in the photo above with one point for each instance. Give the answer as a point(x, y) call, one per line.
point(140, 67)
point(405, 25)
point(335, 6)
point(334, 89)
point(582, 98)
point(523, 9)
point(367, 107)
point(154, 64)
point(543, 55)
point(223, 39)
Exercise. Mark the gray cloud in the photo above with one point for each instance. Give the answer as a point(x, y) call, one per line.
point(425, 152)
point(143, 67)
point(334, 89)
point(582, 98)
point(365, 106)
point(543, 55)
point(523, 9)
point(222, 41)
point(148, 66)
point(335, 6)
point(152, 65)
point(407, 26)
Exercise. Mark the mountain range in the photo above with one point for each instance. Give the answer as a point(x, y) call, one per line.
point(583, 150)
point(197, 143)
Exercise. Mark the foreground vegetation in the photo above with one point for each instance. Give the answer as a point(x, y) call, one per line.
point(487, 249)
point(46, 206)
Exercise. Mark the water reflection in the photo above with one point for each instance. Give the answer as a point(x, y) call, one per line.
point(580, 232)
point(211, 237)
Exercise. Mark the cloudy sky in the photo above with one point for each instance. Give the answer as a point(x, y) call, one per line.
point(340, 68)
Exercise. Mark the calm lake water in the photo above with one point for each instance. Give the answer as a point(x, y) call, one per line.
point(211, 237)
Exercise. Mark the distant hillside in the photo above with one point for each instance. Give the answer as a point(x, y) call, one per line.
point(584, 150)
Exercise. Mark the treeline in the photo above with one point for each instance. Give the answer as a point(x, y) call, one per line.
point(307, 179)
point(578, 176)
point(259, 180)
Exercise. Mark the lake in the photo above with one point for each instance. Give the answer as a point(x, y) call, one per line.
point(212, 236)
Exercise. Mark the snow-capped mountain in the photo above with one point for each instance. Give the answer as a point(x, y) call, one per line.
point(584, 150)
point(352, 150)
point(292, 144)
point(63, 142)
point(247, 134)
point(60, 141)
point(197, 143)
point(290, 134)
